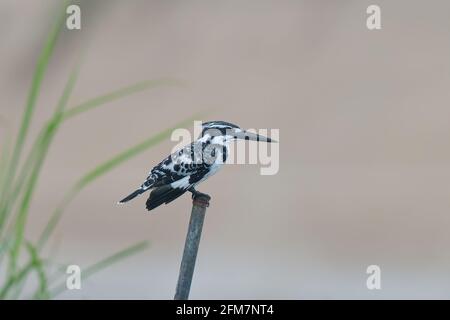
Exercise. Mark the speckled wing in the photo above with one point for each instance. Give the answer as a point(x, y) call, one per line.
point(173, 176)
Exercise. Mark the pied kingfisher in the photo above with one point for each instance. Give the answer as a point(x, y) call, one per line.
point(183, 170)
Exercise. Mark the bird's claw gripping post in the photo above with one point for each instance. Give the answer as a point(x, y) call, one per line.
point(199, 198)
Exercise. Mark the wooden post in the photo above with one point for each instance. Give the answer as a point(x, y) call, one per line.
point(199, 204)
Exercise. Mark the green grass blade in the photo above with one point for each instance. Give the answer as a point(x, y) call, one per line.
point(33, 94)
point(7, 205)
point(5, 153)
point(4, 162)
point(4, 158)
point(4, 167)
point(55, 217)
point(42, 292)
point(52, 125)
point(5, 245)
point(18, 280)
point(15, 190)
point(98, 101)
point(20, 222)
point(38, 76)
point(102, 264)
point(11, 281)
point(118, 256)
point(49, 133)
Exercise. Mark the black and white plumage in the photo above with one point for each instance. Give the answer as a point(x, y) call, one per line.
point(183, 170)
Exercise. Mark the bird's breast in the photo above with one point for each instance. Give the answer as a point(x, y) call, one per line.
point(216, 166)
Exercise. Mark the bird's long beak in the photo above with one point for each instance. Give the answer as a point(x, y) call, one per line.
point(245, 135)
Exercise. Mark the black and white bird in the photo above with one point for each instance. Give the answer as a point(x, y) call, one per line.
point(183, 170)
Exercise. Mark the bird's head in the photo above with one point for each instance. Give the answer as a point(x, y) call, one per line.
point(230, 132)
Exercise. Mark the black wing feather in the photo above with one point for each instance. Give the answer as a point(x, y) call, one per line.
point(164, 194)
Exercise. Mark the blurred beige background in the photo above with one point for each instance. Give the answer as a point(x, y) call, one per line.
point(364, 143)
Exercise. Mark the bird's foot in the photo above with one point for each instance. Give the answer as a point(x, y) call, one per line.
point(199, 198)
point(199, 195)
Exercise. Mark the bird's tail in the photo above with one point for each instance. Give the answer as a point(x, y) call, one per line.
point(148, 184)
point(132, 195)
